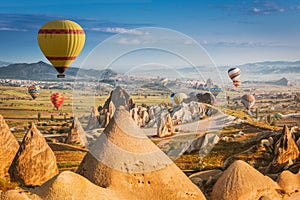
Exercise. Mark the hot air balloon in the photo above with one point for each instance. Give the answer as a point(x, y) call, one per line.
point(248, 101)
point(61, 42)
point(57, 99)
point(236, 83)
point(178, 98)
point(34, 91)
point(234, 73)
point(215, 90)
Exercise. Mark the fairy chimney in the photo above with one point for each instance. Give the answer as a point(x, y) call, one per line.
point(94, 118)
point(286, 152)
point(125, 160)
point(8, 147)
point(76, 134)
point(35, 162)
point(240, 181)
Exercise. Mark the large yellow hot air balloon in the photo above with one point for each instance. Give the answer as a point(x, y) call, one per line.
point(61, 41)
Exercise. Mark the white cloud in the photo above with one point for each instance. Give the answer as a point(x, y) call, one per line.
point(241, 44)
point(11, 29)
point(118, 30)
point(129, 41)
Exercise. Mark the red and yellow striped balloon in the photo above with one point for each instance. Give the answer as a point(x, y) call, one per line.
point(61, 41)
point(57, 99)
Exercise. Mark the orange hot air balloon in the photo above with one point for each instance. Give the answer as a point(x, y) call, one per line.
point(57, 99)
point(61, 41)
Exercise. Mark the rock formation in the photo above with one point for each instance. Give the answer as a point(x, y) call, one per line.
point(35, 162)
point(8, 147)
point(164, 125)
point(240, 181)
point(286, 151)
point(15, 195)
point(77, 134)
point(289, 182)
point(68, 185)
point(94, 119)
point(118, 97)
point(123, 159)
point(184, 113)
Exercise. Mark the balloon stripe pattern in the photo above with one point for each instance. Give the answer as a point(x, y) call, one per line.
point(57, 99)
point(234, 73)
point(60, 31)
point(216, 90)
point(34, 91)
point(61, 41)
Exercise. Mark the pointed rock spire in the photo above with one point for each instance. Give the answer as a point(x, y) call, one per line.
point(286, 152)
point(35, 162)
point(8, 147)
point(77, 134)
point(93, 120)
point(125, 160)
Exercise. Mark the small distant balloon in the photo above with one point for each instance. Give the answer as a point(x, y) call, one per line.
point(179, 97)
point(57, 99)
point(61, 41)
point(248, 100)
point(234, 74)
point(215, 90)
point(34, 91)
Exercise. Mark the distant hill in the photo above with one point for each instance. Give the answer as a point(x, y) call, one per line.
point(281, 82)
point(44, 71)
point(271, 67)
point(4, 63)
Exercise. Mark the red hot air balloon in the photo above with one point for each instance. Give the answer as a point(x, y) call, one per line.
point(57, 99)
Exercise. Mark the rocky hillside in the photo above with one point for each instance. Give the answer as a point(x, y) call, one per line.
point(44, 71)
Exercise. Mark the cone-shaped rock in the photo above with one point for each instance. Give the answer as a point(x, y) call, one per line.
point(93, 119)
point(125, 160)
point(35, 162)
point(240, 181)
point(68, 185)
point(8, 147)
point(286, 151)
point(77, 134)
point(118, 97)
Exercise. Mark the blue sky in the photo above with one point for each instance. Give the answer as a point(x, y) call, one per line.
point(232, 32)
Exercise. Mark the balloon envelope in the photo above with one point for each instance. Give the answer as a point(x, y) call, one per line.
point(178, 98)
point(234, 73)
point(34, 91)
point(248, 100)
point(57, 99)
point(61, 41)
point(215, 90)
